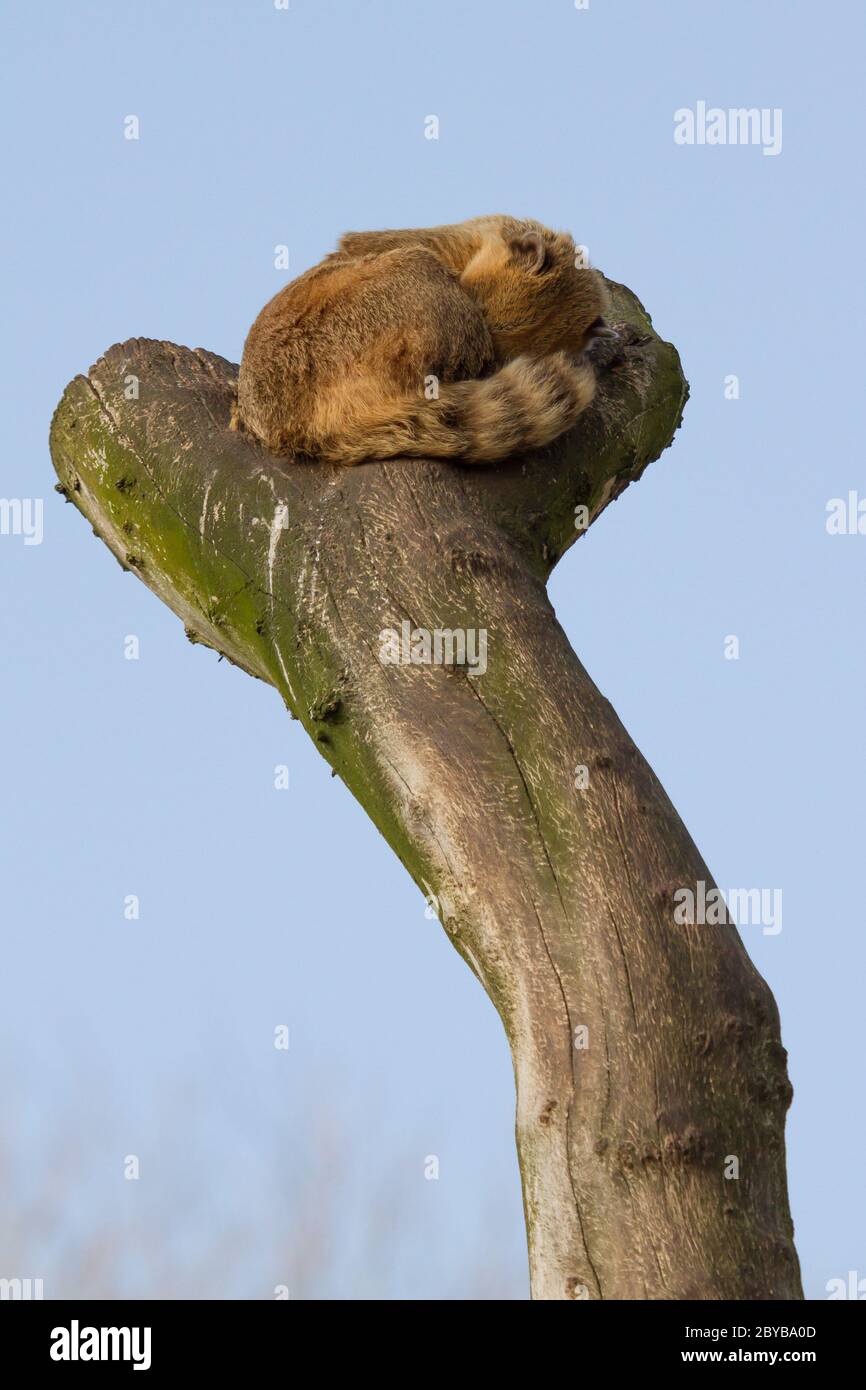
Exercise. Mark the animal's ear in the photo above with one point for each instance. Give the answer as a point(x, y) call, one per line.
point(529, 251)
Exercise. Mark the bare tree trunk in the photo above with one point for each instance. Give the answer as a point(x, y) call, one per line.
point(646, 1054)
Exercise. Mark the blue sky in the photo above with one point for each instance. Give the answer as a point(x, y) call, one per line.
point(261, 127)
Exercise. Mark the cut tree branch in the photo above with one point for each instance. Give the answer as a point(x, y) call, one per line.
point(647, 1054)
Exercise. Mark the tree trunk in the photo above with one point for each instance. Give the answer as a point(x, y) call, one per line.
point(646, 1054)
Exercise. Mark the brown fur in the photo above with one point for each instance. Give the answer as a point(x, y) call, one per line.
point(336, 366)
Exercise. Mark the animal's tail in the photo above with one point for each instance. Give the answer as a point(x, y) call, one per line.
point(526, 404)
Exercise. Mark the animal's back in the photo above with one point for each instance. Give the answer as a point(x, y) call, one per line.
point(387, 351)
point(348, 324)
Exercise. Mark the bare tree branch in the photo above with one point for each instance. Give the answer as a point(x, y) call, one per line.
point(646, 1053)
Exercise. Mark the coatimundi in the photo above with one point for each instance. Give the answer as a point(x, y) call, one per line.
point(488, 318)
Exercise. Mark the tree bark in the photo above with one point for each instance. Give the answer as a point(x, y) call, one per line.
point(646, 1053)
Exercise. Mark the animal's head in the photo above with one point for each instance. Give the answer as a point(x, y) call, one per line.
point(536, 291)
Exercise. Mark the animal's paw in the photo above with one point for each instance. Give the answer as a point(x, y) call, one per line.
point(604, 345)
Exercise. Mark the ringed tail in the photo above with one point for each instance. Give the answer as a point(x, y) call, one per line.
point(526, 404)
